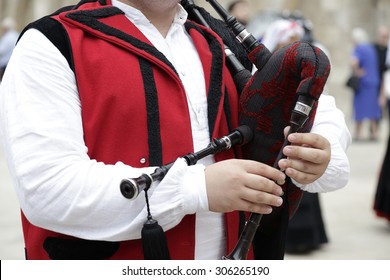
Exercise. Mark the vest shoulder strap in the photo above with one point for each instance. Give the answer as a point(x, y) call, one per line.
point(55, 32)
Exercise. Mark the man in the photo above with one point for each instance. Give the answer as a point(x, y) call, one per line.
point(134, 91)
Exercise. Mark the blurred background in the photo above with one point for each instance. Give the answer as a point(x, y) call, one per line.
point(353, 229)
point(332, 20)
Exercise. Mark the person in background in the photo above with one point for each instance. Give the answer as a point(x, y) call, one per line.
point(306, 230)
point(7, 42)
point(381, 205)
point(240, 10)
point(73, 131)
point(366, 105)
point(381, 46)
point(282, 32)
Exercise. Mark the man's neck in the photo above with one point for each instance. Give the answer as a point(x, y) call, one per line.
point(160, 13)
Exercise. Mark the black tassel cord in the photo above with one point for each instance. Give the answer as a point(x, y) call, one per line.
point(154, 242)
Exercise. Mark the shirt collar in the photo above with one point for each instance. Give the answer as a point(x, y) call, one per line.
point(137, 17)
point(181, 16)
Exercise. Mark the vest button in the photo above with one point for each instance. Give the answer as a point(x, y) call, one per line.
point(142, 160)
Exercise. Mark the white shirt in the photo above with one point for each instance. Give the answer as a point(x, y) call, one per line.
point(60, 188)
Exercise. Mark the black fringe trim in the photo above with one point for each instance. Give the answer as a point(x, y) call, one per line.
point(219, 27)
point(153, 118)
point(56, 33)
point(215, 93)
point(90, 19)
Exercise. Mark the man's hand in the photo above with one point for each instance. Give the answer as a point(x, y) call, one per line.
point(244, 185)
point(308, 157)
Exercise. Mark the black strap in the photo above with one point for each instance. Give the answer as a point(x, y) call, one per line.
point(56, 33)
point(153, 118)
point(215, 94)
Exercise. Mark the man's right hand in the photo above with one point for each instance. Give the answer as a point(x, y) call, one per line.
point(243, 185)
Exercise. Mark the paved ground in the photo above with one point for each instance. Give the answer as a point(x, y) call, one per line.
point(354, 231)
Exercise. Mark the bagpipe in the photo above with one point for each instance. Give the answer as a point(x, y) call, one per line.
point(131, 187)
point(283, 91)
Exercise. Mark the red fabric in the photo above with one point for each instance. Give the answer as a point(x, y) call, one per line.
point(105, 100)
point(267, 101)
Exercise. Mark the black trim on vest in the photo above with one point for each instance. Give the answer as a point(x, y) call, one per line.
point(153, 117)
point(219, 27)
point(228, 116)
point(226, 108)
point(55, 32)
point(214, 95)
point(90, 18)
point(79, 249)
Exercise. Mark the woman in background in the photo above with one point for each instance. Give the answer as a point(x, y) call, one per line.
point(364, 63)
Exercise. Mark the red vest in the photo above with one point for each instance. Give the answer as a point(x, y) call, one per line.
point(115, 98)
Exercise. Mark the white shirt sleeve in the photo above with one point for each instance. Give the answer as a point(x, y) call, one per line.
point(330, 123)
point(59, 187)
